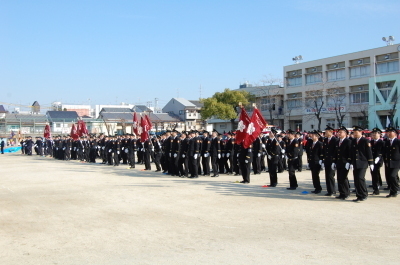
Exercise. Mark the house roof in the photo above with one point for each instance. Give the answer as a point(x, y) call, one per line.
point(108, 116)
point(119, 110)
point(25, 118)
point(2, 109)
point(163, 117)
point(66, 116)
point(184, 102)
point(141, 108)
point(197, 103)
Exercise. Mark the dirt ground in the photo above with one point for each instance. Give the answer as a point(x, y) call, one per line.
point(55, 212)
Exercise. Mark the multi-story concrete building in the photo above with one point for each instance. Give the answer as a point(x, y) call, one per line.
point(359, 88)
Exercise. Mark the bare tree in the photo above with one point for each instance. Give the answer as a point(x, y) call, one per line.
point(336, 99)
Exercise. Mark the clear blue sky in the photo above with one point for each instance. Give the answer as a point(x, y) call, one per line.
point(135, 51)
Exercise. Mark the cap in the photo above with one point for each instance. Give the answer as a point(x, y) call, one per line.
point(329, 128)
point(315, 132)
point(342, 128)
point(290, 131)
point(274, 131)
point(357, 128)
point(376, 130)
point(391, 129)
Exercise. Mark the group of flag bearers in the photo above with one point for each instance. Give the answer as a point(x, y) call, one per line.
point(193, 153)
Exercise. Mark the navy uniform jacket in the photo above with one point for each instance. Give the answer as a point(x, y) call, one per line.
point(292, 150)
point(257, 149)
point(377, 147)
point(184, 146)
point(392, 154)
point(215, 148)
point(315, 153)
point(175, 146)
point(229, 146)
point(342, 152)
point(193, 146)
point(273, 149)
point(206, 145)
point(361, 153)
point(329, 150)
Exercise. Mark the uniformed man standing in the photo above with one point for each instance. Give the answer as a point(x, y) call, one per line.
point(193, 153)
point(215, 152)
point(361, 158)
point(340, 160)
point(315, 157)
point(292, 153)
point(205, 153)
point(392, 161)
point(377, 147)
point(245, 159)
point(329, 145)
point(273, 152)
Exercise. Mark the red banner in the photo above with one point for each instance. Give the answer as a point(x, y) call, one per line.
point(244, 121)
point(135, 124)
point(74, 132)
point(150, 125)
point(145, 128)
point(47, 133)
point(257, 124)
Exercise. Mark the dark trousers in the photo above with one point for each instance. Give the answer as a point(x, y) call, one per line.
point(131, 156)
point(183, 166)
point(157, 161)
point(214, 165)
point(292, 166)
point(146, 159)
point(205, 161)
point(256, 163)
point(273, 176)
point(175, 165)
point(116, 158)
point(392, 179)
point(359, 182)
point(235, 166)
point(315, 170)
point(376, 177)
point(245, 168)
point(343, 181)
point(300, 167)
point(193, 166)
point(330, 179)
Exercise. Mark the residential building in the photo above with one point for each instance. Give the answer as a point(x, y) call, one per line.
point(358, 88)
point(187, 111)
point(61, 121)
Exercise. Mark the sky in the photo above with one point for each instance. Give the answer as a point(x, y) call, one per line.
point(108, 52)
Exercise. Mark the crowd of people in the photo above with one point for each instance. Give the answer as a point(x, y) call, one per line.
point(193, 153)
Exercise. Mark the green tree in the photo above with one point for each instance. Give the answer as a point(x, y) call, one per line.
point(223, 105)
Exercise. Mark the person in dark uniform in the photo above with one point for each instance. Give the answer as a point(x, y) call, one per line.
point(215, 152)
point(273, 152)
point(199, 143)
point(341, 160)
point(147, 147)
point(2, 146)
point(28, 145)
point(116, 151)
point(282, 157)
point(229, 154)
point(236, 153)
point(221, 159)
point(285, 141)
point(175, 148)
point(377, 147)
point(392, 161)
point(193, 152)
point(292, 153)
point(361, 158)
point(245, 159)
point(183, 156)
point(315, 156)
point(257, 152)
point(205, 153)
point(329, 145)
point(300, 140)
point(157, 153)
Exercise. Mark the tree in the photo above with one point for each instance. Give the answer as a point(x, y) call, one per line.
point(222, 105)
point(314, 100)
point(336, 98)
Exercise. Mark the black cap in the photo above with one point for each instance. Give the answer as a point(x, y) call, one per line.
point(357, 128)
point(290, 131)
point(298, 133)
point(343, 129)
point(329, 128)
point(274, 131)
point(391, 129)
point(376, 130)
point(315, 132)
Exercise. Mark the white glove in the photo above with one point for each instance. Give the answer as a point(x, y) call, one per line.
point(83, 150)
point(56, 148)
point(109, 150)
point(333, 166)
point(175, 155)
point(76, 149)
point(123, 148)
point(142, 149)
point(228, 154)
point(103, 147)
point(195, 156)
point(259, 154)
point(135, 152)
point(223, 155)
point(322, 166)
point(269, 157)
point(126, 150)
point(308, 165)
point(263, 153)
point(283, 151)
point(372, 167)
point(183, 156)
point(347, 166)
point(320, 162)
point(246, 161)
point(263, 145)
point(169, 154)
point(283, 156)
point(377, 160)
point(219, 156)
point(117, 152)
point(237, 155)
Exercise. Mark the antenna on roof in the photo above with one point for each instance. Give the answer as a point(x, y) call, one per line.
point(200, 91)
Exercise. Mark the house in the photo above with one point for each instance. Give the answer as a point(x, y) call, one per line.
point(25, 123)
point(61, 121)
point(187, 111)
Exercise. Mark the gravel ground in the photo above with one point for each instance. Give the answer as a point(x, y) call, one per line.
point(55, 212)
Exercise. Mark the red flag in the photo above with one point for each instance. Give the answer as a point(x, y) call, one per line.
point(257, 124)
point(74, 132)
point(82, 130)
point(244, 121)
point(149, 122)
point(47, 133)
point(79, 129)
point(135, 125)
point(144, 136)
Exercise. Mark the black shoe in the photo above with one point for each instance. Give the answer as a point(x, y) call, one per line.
point(387, 188)
point(157, 171)
point(339, 197)
point(291, 188)
point(391, 196)
point(237, 174)
point(359, 199)
point(370, 186)
point(215, 176)
point(375, 192)
point(353, 191)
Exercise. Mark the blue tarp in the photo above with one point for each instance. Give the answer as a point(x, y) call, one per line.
point(12, 149)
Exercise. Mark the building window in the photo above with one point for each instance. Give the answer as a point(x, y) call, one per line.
point(331, 122)
point(314, 78)
point(181, 112)
point(294, 81)
point(359, 71)
point(387, 67)
point(336, 75)
point(357, 98)
point(294, 103)
point(267, 104)
point(222, 126)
